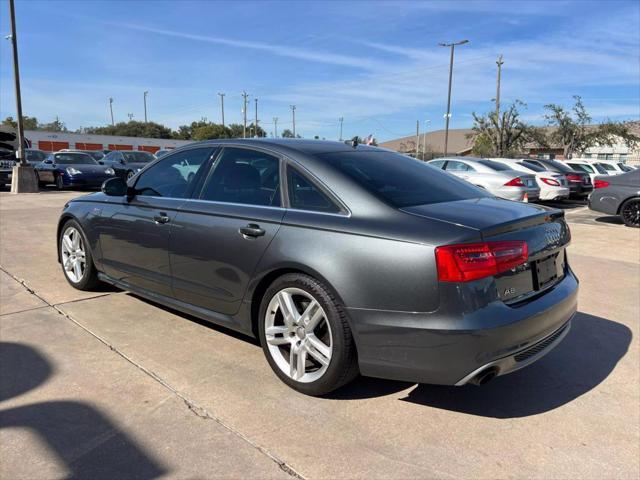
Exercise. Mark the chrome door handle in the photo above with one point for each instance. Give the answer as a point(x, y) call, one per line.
point(161, 219)
point(251, 230)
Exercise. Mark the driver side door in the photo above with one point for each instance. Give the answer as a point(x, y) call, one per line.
point(134, 233)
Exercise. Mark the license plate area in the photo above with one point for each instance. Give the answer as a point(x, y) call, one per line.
point(546, 271)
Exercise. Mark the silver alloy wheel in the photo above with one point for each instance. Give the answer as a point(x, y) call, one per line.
point(73, 255)
point(298, 335)
point(130, 174)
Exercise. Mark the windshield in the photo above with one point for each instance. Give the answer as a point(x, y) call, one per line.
point(601, 168)
point(137, 157)
point(499, 167)
point(399, 180)
point(74, 159)
point(96, 154)
point(562, 167)
point(582, 167)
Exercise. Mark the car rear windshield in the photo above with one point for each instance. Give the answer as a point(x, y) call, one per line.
point(74, 159)
point(399, 180)
point(498, 167)
point(138, 157)
point(531, 166)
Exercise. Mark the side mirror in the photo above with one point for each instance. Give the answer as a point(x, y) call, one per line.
point(100, 162)
point(49, 162)
point(115, 187)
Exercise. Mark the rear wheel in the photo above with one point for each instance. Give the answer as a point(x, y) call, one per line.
point(305, 335)
point(630, 212)
point(129, 174)
point(75, 256)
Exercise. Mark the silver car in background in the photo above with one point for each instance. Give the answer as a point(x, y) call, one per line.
point(553, 185)
point(497, 178)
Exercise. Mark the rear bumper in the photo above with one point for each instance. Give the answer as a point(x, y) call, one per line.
point(554, 193)
point(448, 348)
point(517, 193)
point(580, 189)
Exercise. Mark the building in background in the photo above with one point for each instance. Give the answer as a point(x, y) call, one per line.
point(54, 141)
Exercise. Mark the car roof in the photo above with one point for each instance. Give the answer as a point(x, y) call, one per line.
point(300, 145)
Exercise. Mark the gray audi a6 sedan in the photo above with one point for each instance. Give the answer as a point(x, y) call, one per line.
point(339, 258)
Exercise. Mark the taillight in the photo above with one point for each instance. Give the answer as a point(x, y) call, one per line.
point(572, 177)
point(470, 261)
point(600, 183)
point(516, 182)
point(551, 181)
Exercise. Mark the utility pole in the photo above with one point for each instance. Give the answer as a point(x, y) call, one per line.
point(341, 119)
point(424, 138)
point(499, 62)
point(23, 177)
point(145, 106)
point(275, 125)
point(130, 115)
point(448, 116)
point(111, 109)
point(293, 113)
point(222, 106)
point(256, 122)
point(244, 112)
point(417, 137)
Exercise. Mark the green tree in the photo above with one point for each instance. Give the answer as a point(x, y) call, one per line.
point(236, 130)
point(209, 131)
point(501, 135)
point(133, 129)
point(575, 133)
point(55, 126)
point(286, 133)
point(29, 123)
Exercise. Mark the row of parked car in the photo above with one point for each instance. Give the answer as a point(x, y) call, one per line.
point(529, 179)
point(83, 168)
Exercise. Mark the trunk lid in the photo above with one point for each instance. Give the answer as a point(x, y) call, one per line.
point(544, 229)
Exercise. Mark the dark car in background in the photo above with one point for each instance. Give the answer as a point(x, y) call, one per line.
point(580, 184)
point(339, 258)
point(35, 156)
point(618, 195)
point(72, 169)
point(127, 163)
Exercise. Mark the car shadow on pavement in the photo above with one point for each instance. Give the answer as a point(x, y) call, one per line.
point(85, 440)
point(614, 220)
point(584, 359)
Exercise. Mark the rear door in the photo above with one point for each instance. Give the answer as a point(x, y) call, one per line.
point(219, 236)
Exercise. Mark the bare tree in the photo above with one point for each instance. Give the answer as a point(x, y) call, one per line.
point(503, 134)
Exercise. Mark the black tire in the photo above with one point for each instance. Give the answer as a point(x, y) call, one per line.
point(39, 183)
point(343, 366)
point(59, 182)
point(90, 278)
point(630, 212)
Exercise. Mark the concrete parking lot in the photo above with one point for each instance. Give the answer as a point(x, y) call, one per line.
point(106, 385)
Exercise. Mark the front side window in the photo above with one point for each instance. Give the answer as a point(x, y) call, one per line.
point(138, 157)
point(244, 176)
point(305, 195)
point(173, 175)
point(437, 163)
point(399, 180)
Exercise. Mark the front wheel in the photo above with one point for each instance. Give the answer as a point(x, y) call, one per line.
point(130, 174)
point(305, 336)
point(630, 212)
point(59, 182)
point(75, 256)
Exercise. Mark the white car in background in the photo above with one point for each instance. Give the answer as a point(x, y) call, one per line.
point(553, 185)
point(612, 167)
point(583, 165)
point(494, 177)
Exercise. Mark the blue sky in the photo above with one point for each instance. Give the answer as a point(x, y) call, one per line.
point(377, 64)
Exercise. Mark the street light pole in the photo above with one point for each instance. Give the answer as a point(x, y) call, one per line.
point(275, 125)
point(293, 113)
point(111, 110)
point(499, 62)
point(222, 106)
point(244, 112)
point(23, 177)
point(145, 106)
point(341, 121)
point(448, 116)
point(424, 138)
point(256, 121)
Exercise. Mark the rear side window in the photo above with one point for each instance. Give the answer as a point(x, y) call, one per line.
point(399, 180)
point(305, 195)
point(497, 166)
point(244, 176)
point(532, 166)
point(581, 167)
